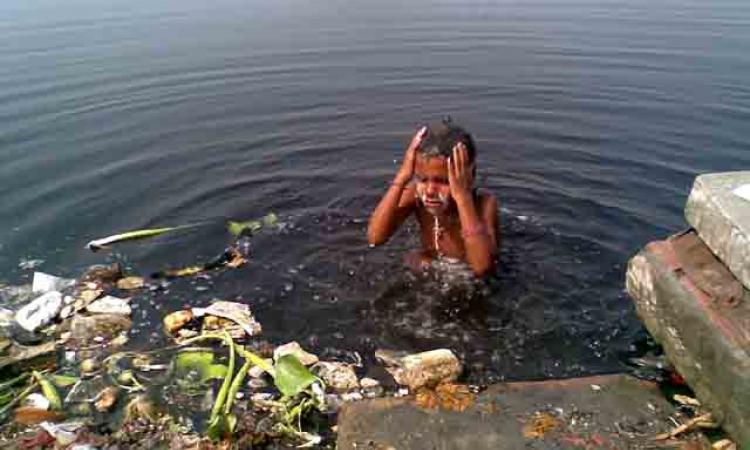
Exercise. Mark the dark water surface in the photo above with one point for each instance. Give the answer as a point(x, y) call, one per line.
point(591, 117)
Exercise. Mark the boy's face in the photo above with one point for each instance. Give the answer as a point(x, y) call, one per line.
point(433, 189)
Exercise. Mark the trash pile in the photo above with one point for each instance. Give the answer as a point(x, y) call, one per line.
point(69, 380)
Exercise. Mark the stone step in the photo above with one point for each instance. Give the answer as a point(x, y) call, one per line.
point(610, 411)
point(697, 310)
point(722, 218)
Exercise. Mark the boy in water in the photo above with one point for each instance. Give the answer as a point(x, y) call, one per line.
point(435, 183)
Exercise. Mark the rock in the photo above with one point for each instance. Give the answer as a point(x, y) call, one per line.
point(99, 273)
point(371, 387)
point(89, 366)
point(130, 283)
point(390, 357)
point(64, 433)
point(351, 396)
point(110, 305)
point(293, 348)
point(257, 372)
point(6, 317)
point(84, 329)
point(5, 344)
point(106, 399)
point(338, 376)
point(425, 369)
point(176, 320)
point(15, 295)
point(257, 383)
point(43, 283)
point(67, 311)
point(27, 355)
point(236, 312)
point(40, 312)
point(86, 296)
point(140, 407)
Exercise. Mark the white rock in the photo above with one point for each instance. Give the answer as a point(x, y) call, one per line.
point(351, 396)
point(43, 283)
point(110, 305)
point(426, 368)
point(369, 383)
point(40, 312)
point(293, 348)
point(371, 387)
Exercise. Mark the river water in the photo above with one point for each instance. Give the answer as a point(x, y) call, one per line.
point(591, 118)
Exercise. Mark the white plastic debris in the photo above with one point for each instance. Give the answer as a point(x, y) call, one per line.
point(743, 192)
point(43, 283)
point(36, 400)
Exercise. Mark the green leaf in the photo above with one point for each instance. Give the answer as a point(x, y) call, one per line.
point(49, 391)
point(64, 380)
point(6, 397)
point(291, 377)
point(271, 220)
point(237, 228)
point(200, 362)
point(214, 372)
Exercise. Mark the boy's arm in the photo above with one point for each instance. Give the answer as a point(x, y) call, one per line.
point(479, 232)
point(395, 206)
point(398, 202)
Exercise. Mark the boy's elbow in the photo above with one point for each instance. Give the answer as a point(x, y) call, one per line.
point(374, 238)
point(483, 269)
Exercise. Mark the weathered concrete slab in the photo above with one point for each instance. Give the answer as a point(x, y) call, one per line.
point(613, 412)
point(722, 219)
point(680, 293)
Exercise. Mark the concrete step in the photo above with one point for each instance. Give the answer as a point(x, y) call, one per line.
point(722, 219)
point(696, 309)
point(611, 411)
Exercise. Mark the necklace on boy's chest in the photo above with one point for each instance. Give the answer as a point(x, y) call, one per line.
point(437, 233)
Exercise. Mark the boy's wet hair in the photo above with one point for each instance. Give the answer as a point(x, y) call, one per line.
point(442, 136)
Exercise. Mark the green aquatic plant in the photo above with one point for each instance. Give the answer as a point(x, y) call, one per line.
point(252, 226)
point(291, 378)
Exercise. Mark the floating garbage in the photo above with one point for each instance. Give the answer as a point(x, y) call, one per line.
point(232, 258)
point(235, 318)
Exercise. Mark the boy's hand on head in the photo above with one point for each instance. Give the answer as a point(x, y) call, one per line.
point(460, 172)
point(407, 166)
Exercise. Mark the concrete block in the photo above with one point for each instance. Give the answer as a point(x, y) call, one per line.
point(722, 219)
point(705, 336)
point(609, 411)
